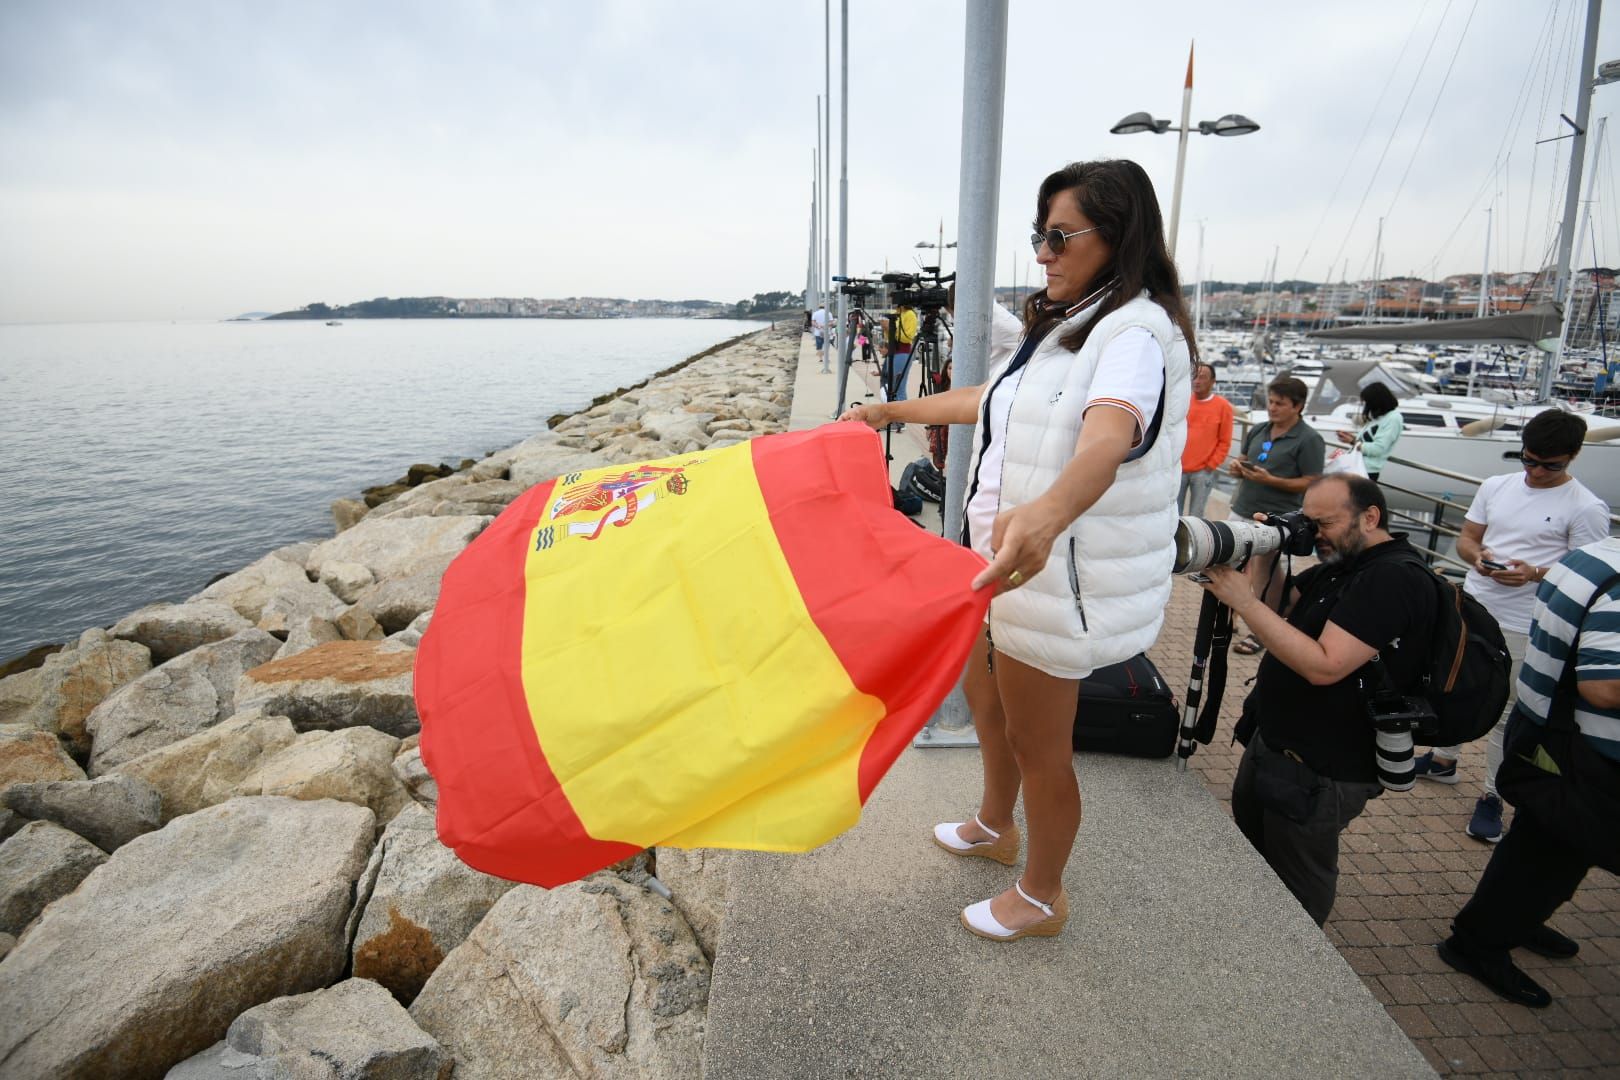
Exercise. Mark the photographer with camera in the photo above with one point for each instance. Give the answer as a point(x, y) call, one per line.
point(1309, 763)
point(1072, 500)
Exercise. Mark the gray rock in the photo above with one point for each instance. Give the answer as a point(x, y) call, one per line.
point(533, 469)
point(346, 513)
point(419, 783)
point(295, 553)
point(697, 882)
point(346, 579)
point(154, 955)
point(356, 624)
point(28, 755)
point(17, 695)
point(10, 823)
point(306, 633)
point(249, 589)
point(206, 768)
point(285, 610)
point(171, 629)
point(108, 811)
point(351, 1031)
point(7, 943)
point(395, 603)
point(418, 902)
point(337, 685)
point(354, 765)
point(74, 681)
point(594, 979)
point(174, 700)
point(41, 863)
point(397, 547)
point(412, 634)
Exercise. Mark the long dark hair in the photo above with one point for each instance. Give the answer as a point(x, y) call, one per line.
point(1377, 400)
point(1117, 196)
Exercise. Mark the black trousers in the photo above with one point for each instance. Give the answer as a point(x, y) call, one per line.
point(1293, 816)
point(1531, 874)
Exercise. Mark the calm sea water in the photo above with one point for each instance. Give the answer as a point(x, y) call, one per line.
point(142, 459)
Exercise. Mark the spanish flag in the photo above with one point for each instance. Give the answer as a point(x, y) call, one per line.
point(723, 649)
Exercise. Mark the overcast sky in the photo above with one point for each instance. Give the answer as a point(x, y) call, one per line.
point(167, 160)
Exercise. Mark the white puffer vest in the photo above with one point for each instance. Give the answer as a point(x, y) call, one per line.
point(1102, 595)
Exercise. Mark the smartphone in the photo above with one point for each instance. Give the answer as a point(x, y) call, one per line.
point(1489, 565)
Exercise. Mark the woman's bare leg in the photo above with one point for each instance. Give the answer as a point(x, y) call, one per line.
point(1039, 712)
point(995, 754)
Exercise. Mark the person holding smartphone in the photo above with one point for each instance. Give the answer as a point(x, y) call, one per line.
point(1518, 526)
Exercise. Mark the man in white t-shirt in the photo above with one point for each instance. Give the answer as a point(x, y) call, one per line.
point(1517, 527)
point(818, 325)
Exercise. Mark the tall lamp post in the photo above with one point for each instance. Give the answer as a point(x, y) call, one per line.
point(1230, 124)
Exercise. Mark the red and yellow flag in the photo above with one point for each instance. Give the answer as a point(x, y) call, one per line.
point(723, 649)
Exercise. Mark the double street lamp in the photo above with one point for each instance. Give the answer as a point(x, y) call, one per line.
point(1228, 125)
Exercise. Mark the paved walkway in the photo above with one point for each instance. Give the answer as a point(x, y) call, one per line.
point(1406, 869)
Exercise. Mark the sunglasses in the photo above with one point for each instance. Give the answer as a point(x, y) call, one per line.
point(1056, 239)
point(1536, 463)
point(1265, 449)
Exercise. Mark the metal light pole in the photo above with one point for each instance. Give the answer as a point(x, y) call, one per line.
point(826, 171)
point(1228, 125)
point(846, 339)
point(984, 87)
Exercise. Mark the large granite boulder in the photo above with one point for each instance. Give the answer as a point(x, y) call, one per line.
point(397, 547)
point(206, 768)
point(253, 586)
point(108, 811)
point(595, 979)
point(351, 1031)
point(174, 700)
point(354, 765)
point(417, 902)
point(154, 955)
point(285, 610)
point(697, 880)
point(532, 469)
point(171, 629)
point(346, 513)
point(306, 633)
point(74, 681)
point(335, 685)
point(28, 755)
point(40, 863)
point(412, 634)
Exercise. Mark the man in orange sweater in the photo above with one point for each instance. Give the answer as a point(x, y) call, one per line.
point(1209, 437)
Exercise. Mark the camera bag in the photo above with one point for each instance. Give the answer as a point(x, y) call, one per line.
point(1127, 708)
point(1470, 671)
point(926, 481)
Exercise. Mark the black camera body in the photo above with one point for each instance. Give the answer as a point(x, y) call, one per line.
point(926, 290)
point(1298, 532)
point(928, 299)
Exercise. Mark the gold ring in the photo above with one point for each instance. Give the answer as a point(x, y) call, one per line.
point(1015, 579)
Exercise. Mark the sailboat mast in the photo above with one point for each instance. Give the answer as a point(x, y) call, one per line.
point(1485, 274)
point(1577, 159)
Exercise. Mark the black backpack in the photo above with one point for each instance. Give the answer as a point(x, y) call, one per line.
point(907, 501)
point(1469, 674)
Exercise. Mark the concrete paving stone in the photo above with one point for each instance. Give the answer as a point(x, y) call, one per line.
point(1571, 1054)
point(1495, 1052)
point(1482, 1018)
point(1363, 962)
point(1446, 1019)
point(1602, 1045)
point(1555, 1018)
point(1388, 933)
point(1588, 1013)
point(1414, 1020)
point(1402, 990)
point(1459, 1055)
point(1520, 1020)
point(1441, 987)
point(1534, 1051)
point(1566, 982)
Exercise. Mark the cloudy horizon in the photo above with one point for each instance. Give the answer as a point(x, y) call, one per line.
point(188, 161)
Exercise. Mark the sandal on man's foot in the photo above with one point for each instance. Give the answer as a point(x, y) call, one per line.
point(1248, 646)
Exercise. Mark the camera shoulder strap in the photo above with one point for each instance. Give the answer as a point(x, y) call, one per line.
point(1379, 669)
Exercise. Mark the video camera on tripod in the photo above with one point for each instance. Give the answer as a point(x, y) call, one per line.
point(858, 288)
point(927, 291)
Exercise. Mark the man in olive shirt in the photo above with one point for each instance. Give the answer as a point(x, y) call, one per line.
point(1280, 459)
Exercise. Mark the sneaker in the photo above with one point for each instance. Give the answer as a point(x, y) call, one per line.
point(1486, 824)
point(1425, 766)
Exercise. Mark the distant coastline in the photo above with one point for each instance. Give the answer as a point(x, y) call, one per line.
point(761, 305)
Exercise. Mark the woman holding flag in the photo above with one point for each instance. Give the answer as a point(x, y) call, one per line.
point(1071, 499)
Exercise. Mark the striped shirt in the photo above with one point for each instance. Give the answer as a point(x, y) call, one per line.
point(1560, 600)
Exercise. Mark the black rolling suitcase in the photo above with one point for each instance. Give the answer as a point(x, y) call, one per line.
point(1127, 708)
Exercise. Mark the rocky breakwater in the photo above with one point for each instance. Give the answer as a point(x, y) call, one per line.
point(218, 853)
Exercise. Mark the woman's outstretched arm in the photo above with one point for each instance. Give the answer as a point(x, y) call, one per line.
point(958, 405)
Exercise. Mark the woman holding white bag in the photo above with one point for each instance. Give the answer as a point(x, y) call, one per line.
point(1376, 439)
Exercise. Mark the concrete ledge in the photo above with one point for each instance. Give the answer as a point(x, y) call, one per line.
point(1183, 955)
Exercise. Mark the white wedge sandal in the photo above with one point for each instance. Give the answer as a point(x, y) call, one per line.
point(1002, 846)
point(978, 920)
